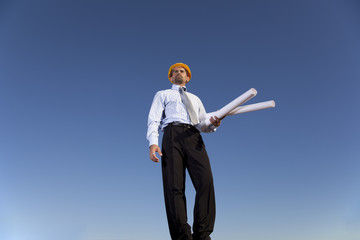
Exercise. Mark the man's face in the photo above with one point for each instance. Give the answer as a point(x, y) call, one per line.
point(179, 76)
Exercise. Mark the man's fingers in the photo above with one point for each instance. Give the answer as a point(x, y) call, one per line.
point(215, 121)
point(158, 150)
point(153, 157)
point(153, 150)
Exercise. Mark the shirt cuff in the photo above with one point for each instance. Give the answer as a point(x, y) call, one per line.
point(153, 140)
point(211, 129)
point(206, 129)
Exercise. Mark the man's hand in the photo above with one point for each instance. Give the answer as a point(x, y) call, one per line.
point(153, 149)
point(215, 121)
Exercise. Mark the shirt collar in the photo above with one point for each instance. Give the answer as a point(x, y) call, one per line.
point(176, 87)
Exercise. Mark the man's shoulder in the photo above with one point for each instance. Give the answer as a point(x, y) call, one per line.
point(164, 92)
point(193, 95)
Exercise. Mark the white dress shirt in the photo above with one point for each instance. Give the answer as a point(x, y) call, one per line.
point(167, 107)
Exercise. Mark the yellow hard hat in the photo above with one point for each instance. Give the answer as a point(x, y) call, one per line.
point(180, 65)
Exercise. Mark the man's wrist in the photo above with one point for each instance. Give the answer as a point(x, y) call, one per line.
point(153, 141)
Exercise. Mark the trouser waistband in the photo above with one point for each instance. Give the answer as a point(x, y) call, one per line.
point(184, 125)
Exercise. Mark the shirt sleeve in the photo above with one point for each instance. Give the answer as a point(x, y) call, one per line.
point(202, 116)
point(154, 119)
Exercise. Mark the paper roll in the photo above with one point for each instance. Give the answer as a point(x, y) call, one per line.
point(252, 107)
point(224, 111)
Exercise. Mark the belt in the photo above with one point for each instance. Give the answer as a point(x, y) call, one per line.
point(184, 125)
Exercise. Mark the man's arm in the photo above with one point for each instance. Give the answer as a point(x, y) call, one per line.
point(215, 121)
point(154, 120)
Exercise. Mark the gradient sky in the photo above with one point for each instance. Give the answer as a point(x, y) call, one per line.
point(77, 79)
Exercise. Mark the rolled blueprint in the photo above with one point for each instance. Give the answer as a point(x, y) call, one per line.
point(253, 107)
point(221, 113)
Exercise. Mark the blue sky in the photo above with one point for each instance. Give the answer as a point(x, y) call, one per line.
point(76, 82)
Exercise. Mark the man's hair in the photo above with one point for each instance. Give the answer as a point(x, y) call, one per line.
point(187, 73)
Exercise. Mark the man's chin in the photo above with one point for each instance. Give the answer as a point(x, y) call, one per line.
point(178, 82)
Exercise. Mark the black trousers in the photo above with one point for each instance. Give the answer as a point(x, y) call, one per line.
point(183, 148)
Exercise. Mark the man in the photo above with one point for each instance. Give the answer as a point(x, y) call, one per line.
point(177, 113)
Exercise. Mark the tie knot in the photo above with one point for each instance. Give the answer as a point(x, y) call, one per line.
point(183, 89)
